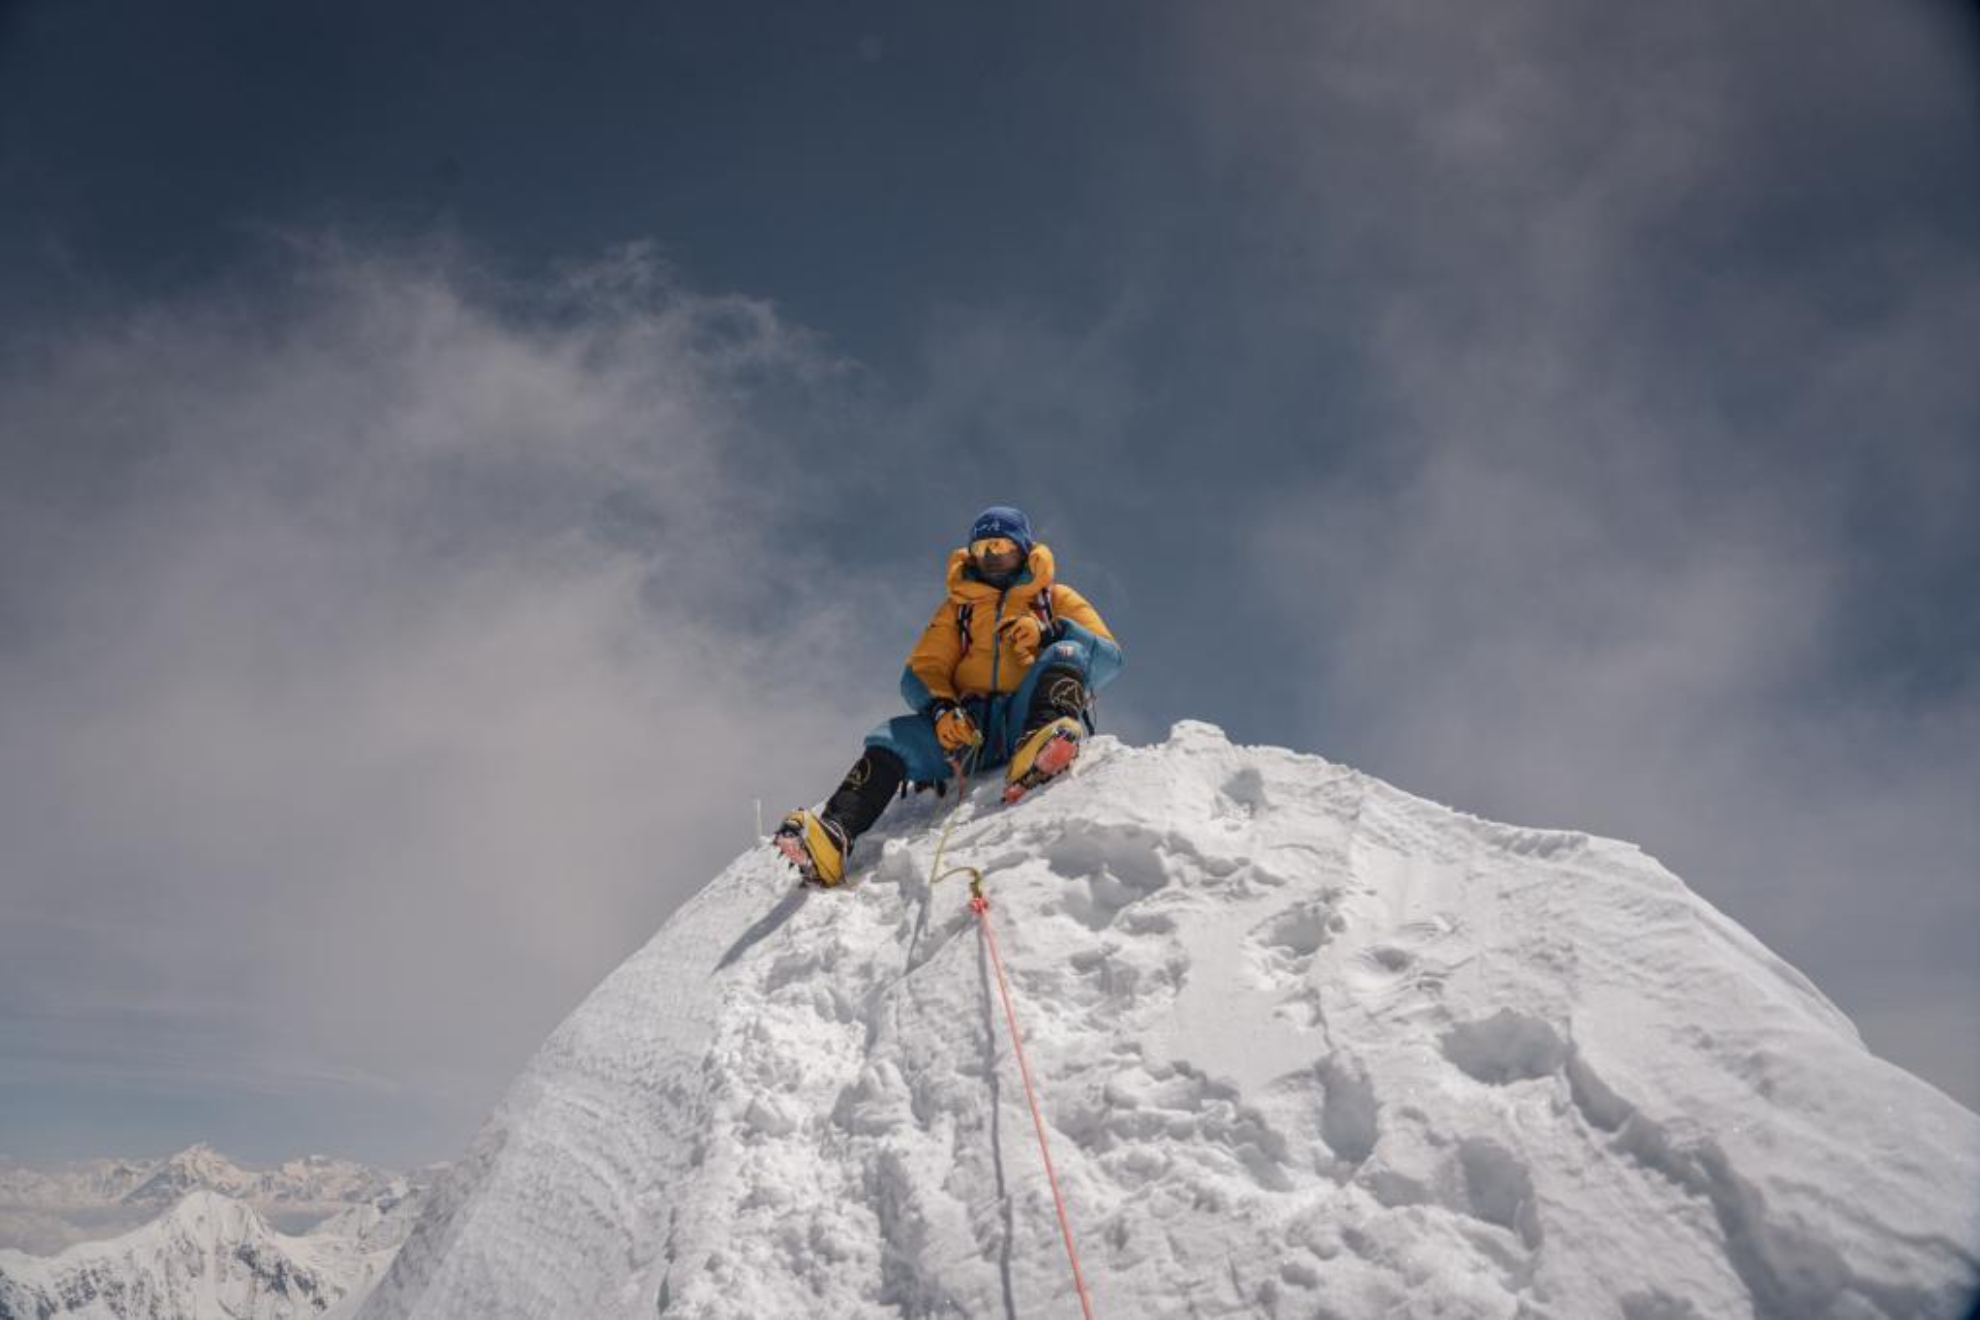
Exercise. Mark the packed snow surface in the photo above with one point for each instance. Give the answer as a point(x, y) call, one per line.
point(1307, 1046)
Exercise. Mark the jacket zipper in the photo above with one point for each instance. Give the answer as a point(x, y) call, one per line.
point(996, 658)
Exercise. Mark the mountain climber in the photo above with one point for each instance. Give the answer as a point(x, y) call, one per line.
point(1003, 675)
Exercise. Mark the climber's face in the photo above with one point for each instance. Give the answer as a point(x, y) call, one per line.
point(996, 556)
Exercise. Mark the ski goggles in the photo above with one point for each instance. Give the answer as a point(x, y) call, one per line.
point(993, 547)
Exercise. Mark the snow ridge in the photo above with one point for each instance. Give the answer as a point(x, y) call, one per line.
point(1308, 1046)
point(209, 1256)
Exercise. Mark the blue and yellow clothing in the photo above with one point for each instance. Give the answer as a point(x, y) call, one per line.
point(962, 658)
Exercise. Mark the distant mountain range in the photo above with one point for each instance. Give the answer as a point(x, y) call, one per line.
point(307, 1183)
point(195, 1235)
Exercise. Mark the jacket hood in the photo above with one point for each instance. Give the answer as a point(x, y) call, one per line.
point(965, 588)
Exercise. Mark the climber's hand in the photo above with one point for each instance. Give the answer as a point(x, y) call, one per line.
point(1023, 633)
point(954, 729)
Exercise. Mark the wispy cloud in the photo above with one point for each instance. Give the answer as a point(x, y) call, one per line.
point(385, 652)
point(1673, 413)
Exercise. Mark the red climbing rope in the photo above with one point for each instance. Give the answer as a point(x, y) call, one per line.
point(981, 907)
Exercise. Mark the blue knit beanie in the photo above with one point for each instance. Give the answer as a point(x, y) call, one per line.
point(1003, 520)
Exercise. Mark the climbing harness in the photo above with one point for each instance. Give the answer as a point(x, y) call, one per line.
point(979, 903)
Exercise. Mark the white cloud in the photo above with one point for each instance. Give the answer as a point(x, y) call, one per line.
point(380, 660)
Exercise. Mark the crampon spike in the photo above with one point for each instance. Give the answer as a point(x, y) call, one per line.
point(1051, 760)
point(793, 850)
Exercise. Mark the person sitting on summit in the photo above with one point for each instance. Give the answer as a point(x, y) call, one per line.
point(1003, 675)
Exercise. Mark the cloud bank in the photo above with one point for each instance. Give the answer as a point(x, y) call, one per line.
point(1679, 419)
point(384, 651)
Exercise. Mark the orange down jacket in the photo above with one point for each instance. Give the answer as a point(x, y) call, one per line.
point(952, 665)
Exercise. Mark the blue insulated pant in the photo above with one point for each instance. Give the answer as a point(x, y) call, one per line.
point(1000, 717)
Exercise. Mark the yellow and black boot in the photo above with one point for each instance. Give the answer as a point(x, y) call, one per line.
point(820, 843)
point(1044, 754)
point(815, 846)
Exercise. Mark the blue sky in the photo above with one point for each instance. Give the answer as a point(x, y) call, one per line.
point(452, 463)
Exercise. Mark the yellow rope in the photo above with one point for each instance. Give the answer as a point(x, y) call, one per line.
point(936, 875)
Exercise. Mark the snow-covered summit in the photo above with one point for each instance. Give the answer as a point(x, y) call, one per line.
point(208, 1255)
point(197, 1167)
point(1307, 1045)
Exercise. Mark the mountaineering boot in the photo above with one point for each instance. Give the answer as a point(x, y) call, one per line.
point(819, 845)
point(1053, 728)
point(815, 846)
point(1044, 754)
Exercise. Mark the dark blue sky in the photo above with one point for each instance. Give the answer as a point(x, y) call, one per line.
point(1566, 415)
point(866, 164)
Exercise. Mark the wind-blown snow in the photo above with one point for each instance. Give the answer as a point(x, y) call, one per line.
point(1308, 1046)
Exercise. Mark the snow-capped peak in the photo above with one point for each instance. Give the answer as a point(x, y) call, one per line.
point(205, 1253)
point(207, 1256)
point(1307, 1045)
point(194, 1168)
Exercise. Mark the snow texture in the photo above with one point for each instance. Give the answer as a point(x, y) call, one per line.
point(1307, 1046)
point(209, 1257)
